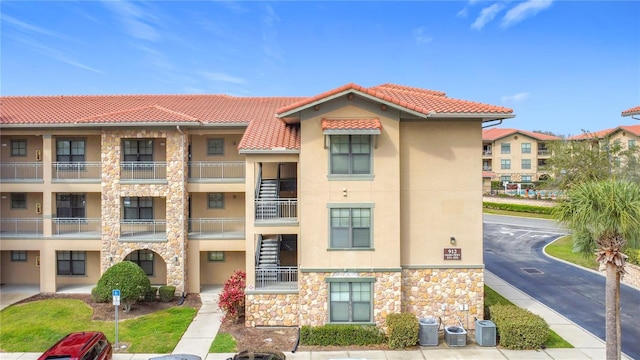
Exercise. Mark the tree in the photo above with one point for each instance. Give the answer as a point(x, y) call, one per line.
point(605, 216)
point(590, 159)
point(127, 277)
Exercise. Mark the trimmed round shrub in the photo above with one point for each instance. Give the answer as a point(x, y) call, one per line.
point(127, 277)
point(96, 297)
point(151, 294)
point(403, 330)
point(167, 293)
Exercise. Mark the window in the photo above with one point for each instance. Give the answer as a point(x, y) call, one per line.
point(350, 228)
point(18, 147)
point(350, 302)
point(504, 178)
point(144, 259)
point(137, 208)
point(526, 148)
point(215, 147)
point(18, 200)
point(70, 150)
point(217, 256)
point(216, 201)
point(350, 154)
point(542, 162)
point(526, 163)
point(526, 178)
point(138, 150)
point(71, 262)
point(70, 205)
point(505, 164)
point(505, 148)
point(18, 255)
point(631, 144)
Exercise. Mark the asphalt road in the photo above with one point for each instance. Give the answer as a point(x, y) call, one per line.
point(513, 252)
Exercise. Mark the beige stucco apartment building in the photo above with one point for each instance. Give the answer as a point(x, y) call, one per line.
point(515, 156)
point(341, 208)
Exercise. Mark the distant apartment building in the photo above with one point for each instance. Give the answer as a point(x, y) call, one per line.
point(515, 156)
point(622, 137)
point(342, 207)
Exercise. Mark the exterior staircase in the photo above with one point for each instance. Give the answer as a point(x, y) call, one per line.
point(267, 206)
point(269, 258)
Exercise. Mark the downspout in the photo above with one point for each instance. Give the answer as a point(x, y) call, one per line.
point(184, 240)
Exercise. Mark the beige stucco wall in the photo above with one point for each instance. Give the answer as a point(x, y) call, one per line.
point(19, 272)
point(199, 147)
point(516, 172)
point(317, 191)
point(234, 204)
point(441, 194)
point(30, 212)
point(218, 272)
point(92, 272)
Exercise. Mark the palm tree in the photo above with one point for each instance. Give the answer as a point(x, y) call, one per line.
point(605, 216)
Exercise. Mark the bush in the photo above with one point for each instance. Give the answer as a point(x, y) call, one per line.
point(548, 210)
point(231, 300)
point(167, 293)
point(341, 335)
point(634, 256)
point(127, 277)
point(518, 328)
point(96, 297)
point(403, 330)
point(151, 294)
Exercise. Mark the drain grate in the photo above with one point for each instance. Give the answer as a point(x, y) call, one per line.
point(532, 270)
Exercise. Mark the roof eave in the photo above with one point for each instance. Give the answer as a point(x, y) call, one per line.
point(483, 116)
point(271, 151)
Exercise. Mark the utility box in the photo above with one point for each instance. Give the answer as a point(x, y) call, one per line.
point(455, 336)
point(485, 333)
point(428, 332)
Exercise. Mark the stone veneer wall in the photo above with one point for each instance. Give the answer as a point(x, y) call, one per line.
point(314, 292)
point(172, 191)
point(425, 291)
point(272, 310)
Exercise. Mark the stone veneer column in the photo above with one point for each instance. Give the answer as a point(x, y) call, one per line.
point(174, 193)
point(425, 291)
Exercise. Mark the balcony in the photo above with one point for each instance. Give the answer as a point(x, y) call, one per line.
point(277, 278)
point(77, 227)
point(217, 229)
point(23, 227)
point(217, 171)
point(143, 230)
point(486, 168)
point(21, 172)
point(76, 171)
point(544, 152)
point(486, 152)
point(143, 171)
point(277, 210)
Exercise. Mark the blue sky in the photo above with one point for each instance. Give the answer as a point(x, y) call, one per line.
point(563, 66)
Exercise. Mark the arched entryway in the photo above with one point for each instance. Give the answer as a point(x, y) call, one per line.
point(152, 263)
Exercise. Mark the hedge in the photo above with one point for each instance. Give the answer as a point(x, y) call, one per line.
point(341, 335)
point(166, 293)
point(518, 328)
point(519, 208)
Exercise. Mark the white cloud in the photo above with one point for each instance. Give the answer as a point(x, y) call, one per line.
point(519, 97)
point(29, 28)
point(135, 20)
point(419, 34)
point(486, 15)
point(464, 13)
point(222, 77)
point(57, 55)
point(524, 10)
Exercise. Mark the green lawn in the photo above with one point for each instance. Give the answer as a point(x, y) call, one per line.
point(35, 326)
point(562, 248)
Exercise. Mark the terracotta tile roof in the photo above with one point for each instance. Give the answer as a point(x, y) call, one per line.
point(419, 100)
point(493, 134)
point(488, 174)
point(633, 129)
point(632, 111)
point(351, 124)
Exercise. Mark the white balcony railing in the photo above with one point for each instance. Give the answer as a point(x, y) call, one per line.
point(277, 278)
point(217, 170)
point(143, 170)
point(77, 226)
point(20, 171)
point(277, 210)
point(21, 227)
point(226, 228)
point(64, 171)
point(143, 230)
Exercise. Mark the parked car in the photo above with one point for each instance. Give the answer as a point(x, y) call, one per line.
point(259, 355)
point(86, 345)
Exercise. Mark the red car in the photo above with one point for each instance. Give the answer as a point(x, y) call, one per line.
point(86, 345)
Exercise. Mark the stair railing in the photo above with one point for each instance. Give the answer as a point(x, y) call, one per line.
point(258, 180)
point(258, 247)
